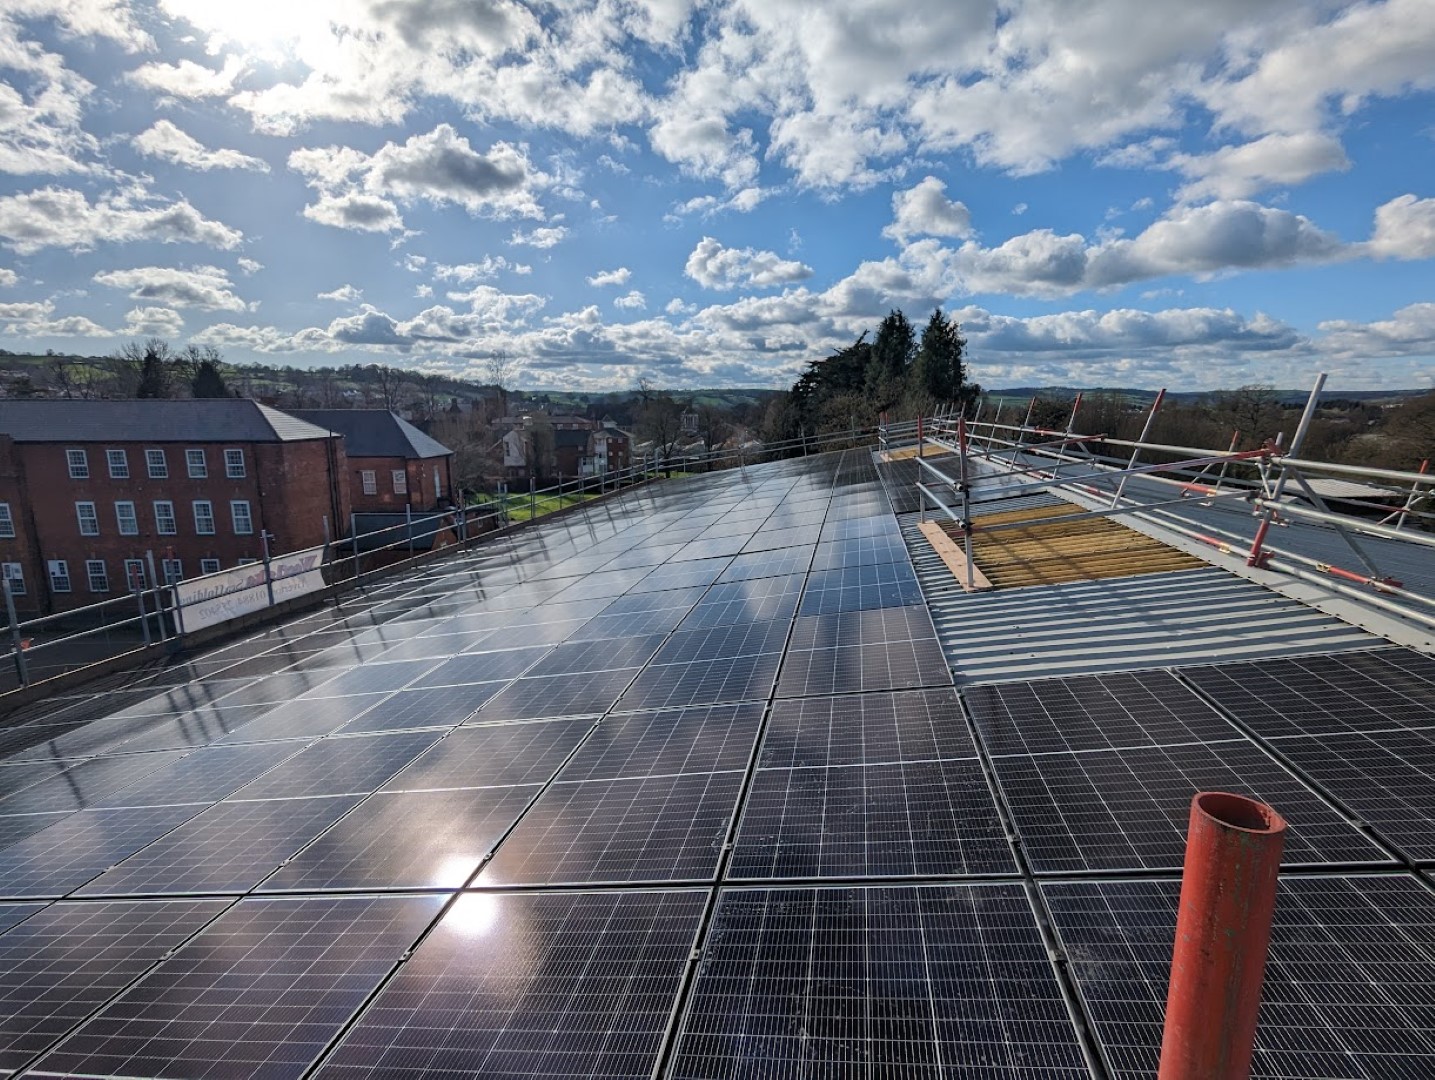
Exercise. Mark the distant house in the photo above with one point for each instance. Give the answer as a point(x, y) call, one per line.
point(392, 464)
point(609, 449)
point(100, 496)
point(561, 445)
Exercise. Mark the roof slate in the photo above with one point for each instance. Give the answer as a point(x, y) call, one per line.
point(188, 420)
point(375, 433)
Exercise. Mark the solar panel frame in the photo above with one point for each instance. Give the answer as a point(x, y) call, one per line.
point(428, 706)
point(866, 729)
point(86, 783)
point(701, 682)
point(259, 992)
point(700, 738)
point(588, 694)
point(351, 765)
point(887, 665)
point(498, 755)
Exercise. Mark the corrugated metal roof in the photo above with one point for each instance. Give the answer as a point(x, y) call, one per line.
point(193, 420)
point(375, 433)
point(1153, 620)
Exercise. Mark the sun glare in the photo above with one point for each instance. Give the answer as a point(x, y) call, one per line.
point(271, 29)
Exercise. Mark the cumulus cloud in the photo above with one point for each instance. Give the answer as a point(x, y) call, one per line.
point(1404, 229)
point(187, 79)
point(168, 143)
point(344, 294)
point(714, 266)
point(153, 322)
point(65, 218)
point(359, 191)
point(1237, 172)
point(543, 237)
point(1409, 332)
point(8, 277)
point(249, 266)
point(206, 287)
point(486, 269)
point(633, 300)
point(619, 276)
point(925, 210)
point(42, 104)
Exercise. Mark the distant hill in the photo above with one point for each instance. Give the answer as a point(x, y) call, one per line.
point(1285, 397)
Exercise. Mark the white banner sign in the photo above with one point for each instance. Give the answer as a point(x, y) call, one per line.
point(218, 598)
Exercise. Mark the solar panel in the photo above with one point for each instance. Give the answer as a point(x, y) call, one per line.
point(87, 783)
point(480, 667)
point(306, 718)
point(57, 859)
point(274, 689)
point(761, 564)
point(565, 984)
point(885, 665)
point(339, 766)
point(189, 730)
point(702, 682)
point(649, 829)
point(718, 612)
point(723, 642)
point(373, 678)
point(1094, 712)
point(65, 961)
point(493, 756)
point(589, 694)
point(407, 839)
point(866, 729)
point(916, 819)
point(1315, 695)
point(859, 597)
point(437, 706)
point(206, 776)
point(1128, 810)
point(863, 628)
point(682, 575)
point(259, 993)
point(434, 646)
point(580, 656)
point(705, 738)
point(1347, 978)
point(96, 737)
point(642, 555)
point(230, 847)
point(890, 981)
point(631, 603)
point(1386, 777)
point(14, 913)
point(775, 539)
point(17, 828)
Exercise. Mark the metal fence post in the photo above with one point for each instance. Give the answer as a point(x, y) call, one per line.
point(409, 526)
point(532, 497)
point(144, 614)
point(354, 539)
point(15, 641)
point(155, 580)
point(264, 536)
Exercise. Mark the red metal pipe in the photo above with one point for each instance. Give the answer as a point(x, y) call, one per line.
point(1223, 930)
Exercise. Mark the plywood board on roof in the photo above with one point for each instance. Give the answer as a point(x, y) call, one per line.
point(954, 556)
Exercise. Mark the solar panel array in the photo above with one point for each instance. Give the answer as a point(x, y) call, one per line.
point(682, 786)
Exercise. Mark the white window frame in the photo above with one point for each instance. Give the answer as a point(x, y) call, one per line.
point(7, 522)
point(59, 571)
point(246, 562)
point(114, 458)
point(87, 514)
point(156, 463)
point(236, 507)
point(234, 464)
point(15, 574)
point(135, 573)
point(370, 480)
point(159, 518)
point(79, 464)
point(199, 525)
point(209, 566)
point(400, 479)
point(97, 574)
point(196, 463)
point(132, 521)
point(172, 570)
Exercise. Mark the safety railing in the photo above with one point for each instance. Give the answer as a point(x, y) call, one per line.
point(1275, 483)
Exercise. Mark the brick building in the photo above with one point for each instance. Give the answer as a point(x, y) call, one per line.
point(562, 446)
point(89, 490)
point(391, 463)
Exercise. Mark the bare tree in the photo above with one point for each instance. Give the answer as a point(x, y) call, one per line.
point(389, 382)
point(74, 377)
point(501, 369)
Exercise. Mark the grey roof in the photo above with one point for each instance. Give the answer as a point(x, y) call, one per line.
point(187, 420)
point(375, 433)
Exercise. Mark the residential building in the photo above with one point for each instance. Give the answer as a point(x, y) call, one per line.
point(92, 492)
point(391, 463)
point(561, 446)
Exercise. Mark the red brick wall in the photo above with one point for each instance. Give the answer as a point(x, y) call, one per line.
point(420, 496)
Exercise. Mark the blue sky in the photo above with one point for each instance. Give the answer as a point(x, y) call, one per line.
point(1103, 192)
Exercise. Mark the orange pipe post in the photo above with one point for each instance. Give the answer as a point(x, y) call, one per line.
point(1223, 929)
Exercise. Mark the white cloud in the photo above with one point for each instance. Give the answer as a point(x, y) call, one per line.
point(714, 266)
point(344, 294)
point(187, 79)
point(153, 322)
point(1237, 172)
point(8, 277)
point(486, 269)
point(925, 210)
point(1404, 229)
point(249, 266)
point(358, 191)
point(42, 104)
point(65, 218)
point(168, 143)
point(633, 300)
point(619, 276)
point(544, 237)
point(206, 287)
point(1409, 332)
